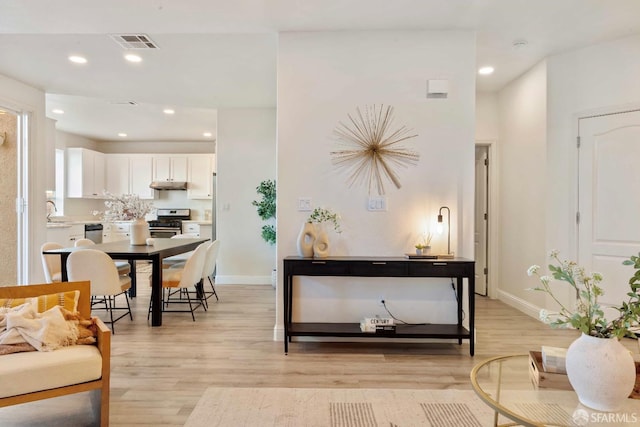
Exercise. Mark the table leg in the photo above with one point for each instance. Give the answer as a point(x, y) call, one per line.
point(134, 282)
point(63, 267)
point(156, 291)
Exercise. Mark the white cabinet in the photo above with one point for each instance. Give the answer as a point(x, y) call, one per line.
point(85, 173)
point(206, 231)
point(200, 230)
point(117, 173)
point(114, 231)
point(66, 236)
point(200, 182)
point(170, 168)
point(129, 174)
point(141, 175)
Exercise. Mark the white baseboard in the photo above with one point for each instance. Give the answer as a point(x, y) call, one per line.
point(519, 304)
point(243, 280)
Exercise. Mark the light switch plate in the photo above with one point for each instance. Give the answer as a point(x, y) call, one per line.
point(377, 204)
point(304, 204)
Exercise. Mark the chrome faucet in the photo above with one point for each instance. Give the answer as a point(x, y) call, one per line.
point(55, 209)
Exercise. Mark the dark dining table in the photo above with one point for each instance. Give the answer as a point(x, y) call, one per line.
point(122, 249)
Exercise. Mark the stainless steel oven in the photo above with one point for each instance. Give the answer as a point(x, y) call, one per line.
point(169, 222)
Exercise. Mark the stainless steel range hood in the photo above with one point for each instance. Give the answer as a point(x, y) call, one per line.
point(168, 185)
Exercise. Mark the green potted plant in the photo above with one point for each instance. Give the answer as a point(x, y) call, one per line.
point(600, 369)
point(266, 208)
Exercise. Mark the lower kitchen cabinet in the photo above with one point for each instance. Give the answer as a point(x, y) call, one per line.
point(112, 232)
point(65, 235)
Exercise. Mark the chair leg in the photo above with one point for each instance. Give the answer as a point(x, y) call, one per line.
point(126, 297)
point(191, 307)
point(213, 288)
point(113, 324)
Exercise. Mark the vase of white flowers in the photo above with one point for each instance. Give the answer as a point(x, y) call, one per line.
point(600, 369)
point(129, 207)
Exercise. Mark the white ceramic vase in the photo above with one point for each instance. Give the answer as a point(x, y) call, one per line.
point(601, 371)
point(305, 240)
point(139, 232)
point(321, 245)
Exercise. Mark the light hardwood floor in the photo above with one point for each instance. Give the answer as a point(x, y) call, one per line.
point(159, 374)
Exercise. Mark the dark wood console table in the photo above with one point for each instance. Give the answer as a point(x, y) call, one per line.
point(458, 268)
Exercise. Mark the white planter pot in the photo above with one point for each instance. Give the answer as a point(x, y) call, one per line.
point(601, 371)
point(139, 232)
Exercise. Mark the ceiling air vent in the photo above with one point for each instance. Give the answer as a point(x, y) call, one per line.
point(134, 41)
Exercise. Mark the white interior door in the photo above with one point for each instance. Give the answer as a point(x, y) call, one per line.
point(609, 198)
point(481, 219)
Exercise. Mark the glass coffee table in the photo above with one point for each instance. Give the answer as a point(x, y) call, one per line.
point(504, 383)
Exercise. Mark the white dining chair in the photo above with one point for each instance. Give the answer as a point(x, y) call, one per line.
point(185, 279)
point(177, 260)
point(106, 284)
point(51, 264)
point(123, 266)
point(209, 269)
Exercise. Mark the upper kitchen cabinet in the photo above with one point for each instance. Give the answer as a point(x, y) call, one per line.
point(85, 173)
point(200, 182)
point(129, 174)
point(117, 173)
point(170, 168)
point(141, 176)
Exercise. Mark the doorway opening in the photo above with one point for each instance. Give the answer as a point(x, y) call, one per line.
point(14, 252)
point(484, 203)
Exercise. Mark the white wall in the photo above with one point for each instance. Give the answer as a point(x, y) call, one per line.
point(523, 184)
point(322, 77)
point(541, 153)
point(487, 116)
point(246, 154)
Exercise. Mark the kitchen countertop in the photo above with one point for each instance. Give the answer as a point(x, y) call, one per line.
point(200, 222)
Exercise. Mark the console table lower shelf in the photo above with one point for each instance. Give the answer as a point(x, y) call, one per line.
point(442, 331)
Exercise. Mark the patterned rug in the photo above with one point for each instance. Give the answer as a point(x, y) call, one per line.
point(339, 408)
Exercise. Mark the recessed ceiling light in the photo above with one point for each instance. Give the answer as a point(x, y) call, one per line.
point(78, 59)
point(132, 57)
point(485, 71)
point(207, 134)
point(168, 111)
point(57, 111)
point(122, 135)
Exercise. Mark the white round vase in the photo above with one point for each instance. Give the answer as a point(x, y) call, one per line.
point(305, 240)
point(139, 232)
point(601, 371)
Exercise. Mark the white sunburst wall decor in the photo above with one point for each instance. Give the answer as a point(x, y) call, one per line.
point(370, 148)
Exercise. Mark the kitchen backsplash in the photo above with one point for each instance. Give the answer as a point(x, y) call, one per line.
point(81, 209)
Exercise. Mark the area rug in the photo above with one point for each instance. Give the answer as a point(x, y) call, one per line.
point(339, 408)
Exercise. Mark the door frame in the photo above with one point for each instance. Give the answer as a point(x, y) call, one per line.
point(582, 115)
point(493, 261)
point(24, 119)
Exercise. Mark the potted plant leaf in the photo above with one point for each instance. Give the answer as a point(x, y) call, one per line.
point(266, 208)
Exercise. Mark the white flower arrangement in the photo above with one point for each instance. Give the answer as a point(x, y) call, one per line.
point(125, 207)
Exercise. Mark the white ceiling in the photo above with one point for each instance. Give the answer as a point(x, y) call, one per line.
point(222, 54)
